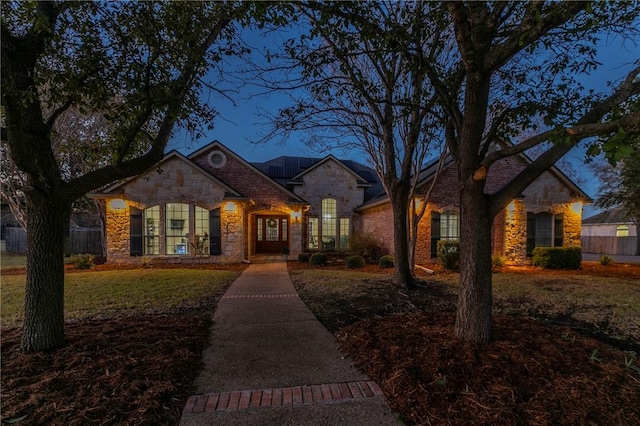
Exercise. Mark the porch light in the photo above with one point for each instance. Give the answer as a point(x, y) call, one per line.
point(117, 204)
point(296, 216)
point(230, 207)
point(576, 207)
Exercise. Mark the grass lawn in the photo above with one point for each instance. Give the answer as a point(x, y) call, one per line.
point(106, 293)
point(11, 260)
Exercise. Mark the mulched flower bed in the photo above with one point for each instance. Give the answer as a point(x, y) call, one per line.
point(531, 373)
point(128, 371)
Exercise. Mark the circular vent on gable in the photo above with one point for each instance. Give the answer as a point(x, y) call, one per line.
point(217, 159)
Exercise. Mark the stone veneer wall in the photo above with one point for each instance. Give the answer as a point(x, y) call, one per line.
point(179, 182)
point(515, 239)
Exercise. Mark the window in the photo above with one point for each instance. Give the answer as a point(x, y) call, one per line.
point(622, 231)
point(152, 230)
point(200, 242)
point(329, 223)
point(449, 226)
point(344, 233)
point(312, 233)
point(444, 226)
point(544, 230)
point(177, 228)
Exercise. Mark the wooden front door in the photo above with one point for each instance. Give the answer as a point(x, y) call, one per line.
point(272, 234)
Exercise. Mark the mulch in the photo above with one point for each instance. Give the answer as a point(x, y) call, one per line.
point(531, 373)
point(128, 370)
point(139, 369)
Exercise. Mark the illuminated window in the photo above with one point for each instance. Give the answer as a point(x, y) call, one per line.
point(200, 242)
point(622, 231)
point(177, 228)
point(344, 233)
point(152, 230)
point(329, 223)
point(312, 233)
point(449, 226)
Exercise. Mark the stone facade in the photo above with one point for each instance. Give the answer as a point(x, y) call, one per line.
point(216, 178)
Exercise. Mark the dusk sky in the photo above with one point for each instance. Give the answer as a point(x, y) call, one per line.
point(239, 126)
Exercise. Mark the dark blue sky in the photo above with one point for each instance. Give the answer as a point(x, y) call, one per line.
point(240, 125)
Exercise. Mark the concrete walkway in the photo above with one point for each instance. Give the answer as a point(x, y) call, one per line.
point(271, 362)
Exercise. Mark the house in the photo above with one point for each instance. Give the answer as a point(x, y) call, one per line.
point(610, 232)
point(214, 206)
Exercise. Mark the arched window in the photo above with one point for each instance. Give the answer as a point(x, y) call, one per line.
point(622, 231)
point(329, 223)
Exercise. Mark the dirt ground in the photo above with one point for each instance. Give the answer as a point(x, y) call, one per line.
point(138, 370)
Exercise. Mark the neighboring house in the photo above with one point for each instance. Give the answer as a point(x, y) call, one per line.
point(214, 206)
point(610, 232)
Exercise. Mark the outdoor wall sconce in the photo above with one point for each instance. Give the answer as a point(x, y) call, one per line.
point(576, 207)
point(230, 207)
point(296, 216)
point(117, 204)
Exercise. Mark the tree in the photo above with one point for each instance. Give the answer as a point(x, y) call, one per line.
point(363, 94)
point(510, 65)
point(518, 61)
point(140, 65)
point(620, 185)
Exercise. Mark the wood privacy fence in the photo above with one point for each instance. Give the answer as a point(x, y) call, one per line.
point(82, 241)
point(609, 245)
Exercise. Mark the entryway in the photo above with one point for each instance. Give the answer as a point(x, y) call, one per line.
point(271, 234)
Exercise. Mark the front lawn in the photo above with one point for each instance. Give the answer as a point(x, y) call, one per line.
point(134, 340)
point(551, 359)
point(107, 293)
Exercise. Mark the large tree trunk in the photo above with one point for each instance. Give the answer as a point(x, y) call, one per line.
point(403, 271)
point(473, 316)
point(44, 294)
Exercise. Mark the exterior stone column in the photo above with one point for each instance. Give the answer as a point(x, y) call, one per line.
point(515, 239)
point(118, 241)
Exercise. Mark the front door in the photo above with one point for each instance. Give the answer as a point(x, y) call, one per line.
point(272, 234)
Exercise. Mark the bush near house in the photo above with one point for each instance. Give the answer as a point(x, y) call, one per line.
point(354, 262)
point(557, 257)
point(367, 246)
point(83, 261)
point(318, 259)
point(449, 253)
point(386, 261)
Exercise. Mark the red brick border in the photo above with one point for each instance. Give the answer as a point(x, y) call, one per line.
point(280, 397)
point(259, 296)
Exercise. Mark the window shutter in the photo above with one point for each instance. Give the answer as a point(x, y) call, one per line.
point(135, 232)
point(558, 240)
point(215, 232)
point(435, 233)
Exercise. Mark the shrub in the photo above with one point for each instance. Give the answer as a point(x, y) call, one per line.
point(354, 262)
point(304, 257)
point(386, 261)
point(83, 261)
point(367, 246)
point(557, 257)
point(606, 260)
point(497, 261)
point(449, 253)
point(318, 259)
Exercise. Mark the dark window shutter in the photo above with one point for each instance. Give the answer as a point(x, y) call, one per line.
point(435, 233)
point(135, 232)
point(558, 239)
point(215, 232)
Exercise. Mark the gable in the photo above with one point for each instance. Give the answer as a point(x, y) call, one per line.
point(175, 179)
point(331, 179)
point(228, 167)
